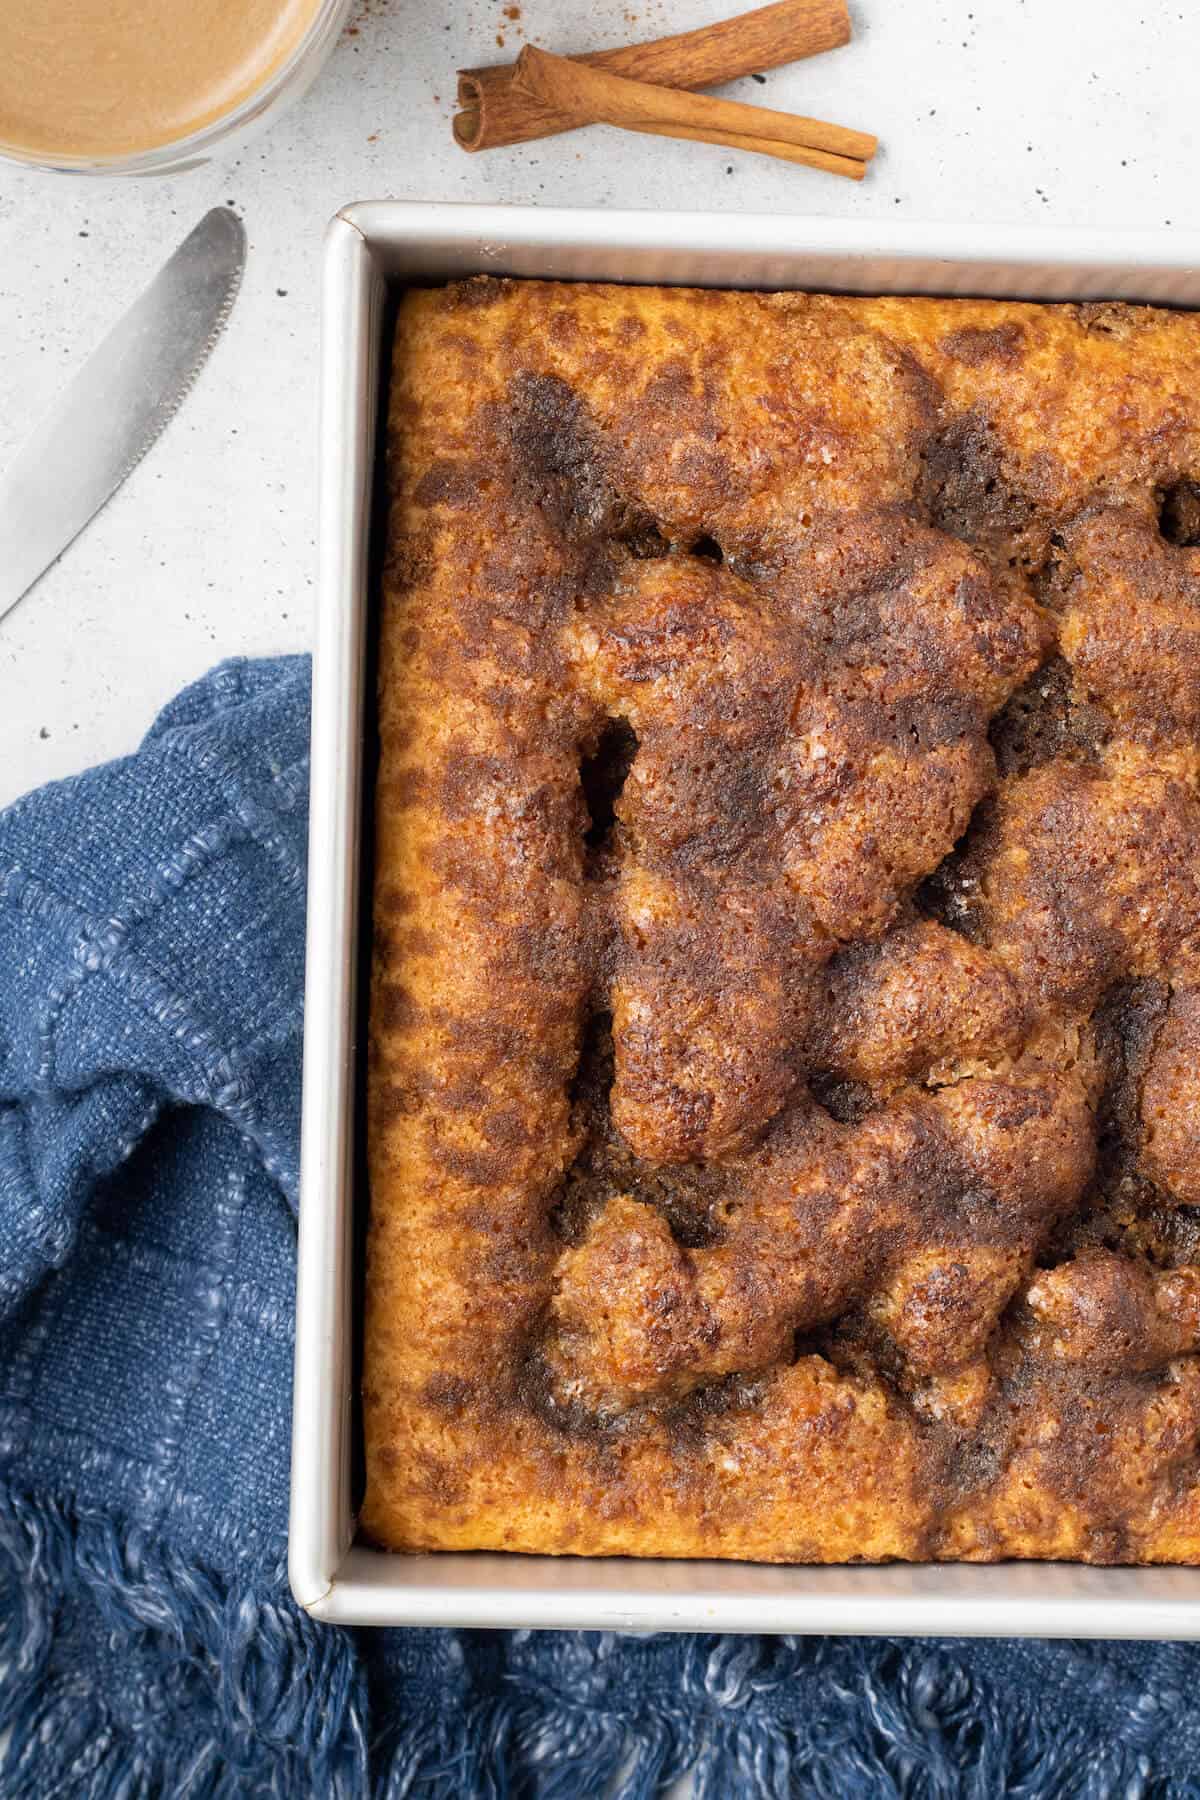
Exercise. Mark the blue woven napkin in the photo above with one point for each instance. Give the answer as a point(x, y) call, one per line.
point(151, 972)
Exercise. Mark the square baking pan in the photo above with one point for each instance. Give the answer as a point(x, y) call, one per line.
point(371, 250)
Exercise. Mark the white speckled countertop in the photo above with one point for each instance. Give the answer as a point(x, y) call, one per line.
point(1017, 111)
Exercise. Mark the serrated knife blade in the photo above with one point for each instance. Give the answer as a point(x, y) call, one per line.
point(118, 404)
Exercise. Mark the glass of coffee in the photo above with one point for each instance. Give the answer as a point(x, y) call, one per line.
point(139, 87)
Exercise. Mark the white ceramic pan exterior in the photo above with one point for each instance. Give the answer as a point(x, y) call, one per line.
point(368, 247)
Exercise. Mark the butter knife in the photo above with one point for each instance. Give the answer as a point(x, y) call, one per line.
point(118, 404)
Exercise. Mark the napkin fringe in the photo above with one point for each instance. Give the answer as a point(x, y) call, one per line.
point(278, 1702)
point(910, 1725)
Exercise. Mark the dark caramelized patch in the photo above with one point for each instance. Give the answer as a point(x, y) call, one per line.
point(642, 538)
point(535, 1391)
point(567, 466)
point(452, 484)
point(449, 1393)
point(951, 893)
point(966, 486)
point(1169, 1237)
point(846, 1101)
point(690, 1421)
point(475, 294)
point(1108, 318)
point(978, 344)
point(1043, 720)
point(1127, 1022)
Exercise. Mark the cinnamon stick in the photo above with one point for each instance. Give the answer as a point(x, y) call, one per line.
point(593, 96)
point(495, 113)
point(850, 166)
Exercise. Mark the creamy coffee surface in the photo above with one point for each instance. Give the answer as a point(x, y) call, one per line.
point(101, 78)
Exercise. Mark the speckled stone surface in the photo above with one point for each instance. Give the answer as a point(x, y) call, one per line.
point(1051, 113)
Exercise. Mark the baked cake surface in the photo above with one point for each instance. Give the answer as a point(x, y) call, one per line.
point(784, 1078)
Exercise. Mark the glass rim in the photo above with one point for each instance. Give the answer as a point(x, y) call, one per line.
point(286, 81)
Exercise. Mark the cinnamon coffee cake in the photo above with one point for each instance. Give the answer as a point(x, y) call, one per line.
point(784, 1084)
